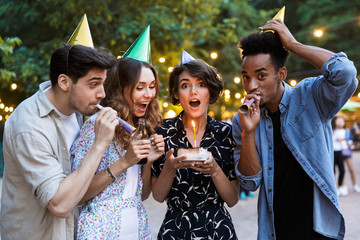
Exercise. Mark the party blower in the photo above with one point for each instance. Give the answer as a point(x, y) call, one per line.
point(246, 106)
point(127, 127)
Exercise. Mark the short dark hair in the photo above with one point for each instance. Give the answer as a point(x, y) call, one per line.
point(76, 61)
point(264, 43)
point(200, 69)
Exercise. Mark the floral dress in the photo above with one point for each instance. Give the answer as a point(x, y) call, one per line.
point(117, 212)
point(195, 208)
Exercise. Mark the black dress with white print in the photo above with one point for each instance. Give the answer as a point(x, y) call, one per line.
point(195, 208)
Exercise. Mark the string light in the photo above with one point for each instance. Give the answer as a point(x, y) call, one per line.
point(170, 69)
point(171, 114)
point(162, 59)
point(293, 82)
point(236, 80)
point(214, 55)
point(318, 33)
point(227, 95)
point(13, 86)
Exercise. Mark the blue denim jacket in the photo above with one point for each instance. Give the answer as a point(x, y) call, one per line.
point(306, 112)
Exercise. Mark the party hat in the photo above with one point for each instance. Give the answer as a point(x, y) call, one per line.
point(82, 35)
point(185, 58)
point(140, 49)
point(280, 14)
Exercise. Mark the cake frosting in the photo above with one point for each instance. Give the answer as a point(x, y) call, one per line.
point(194, 154)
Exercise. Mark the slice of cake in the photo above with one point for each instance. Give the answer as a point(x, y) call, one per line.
point(194, 154)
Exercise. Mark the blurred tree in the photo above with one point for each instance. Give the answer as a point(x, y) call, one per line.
point(6, 48)
point(339, 20)
point(198, 26)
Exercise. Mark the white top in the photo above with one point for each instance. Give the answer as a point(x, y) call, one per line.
point(339, 139)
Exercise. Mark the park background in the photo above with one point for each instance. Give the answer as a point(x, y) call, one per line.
point(208, 29)
point(30, 30)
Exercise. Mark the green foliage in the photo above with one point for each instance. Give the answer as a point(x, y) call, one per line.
point(198, 26)
point(6, 48)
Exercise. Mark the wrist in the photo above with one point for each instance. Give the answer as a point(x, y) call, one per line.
point(248, 134)
point(111, 174)
point(124, 161)
point(99, 145)
point(167, 168)
point(216, 172)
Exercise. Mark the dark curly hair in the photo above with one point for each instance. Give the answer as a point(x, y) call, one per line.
point(200, 69)
point(264, 43)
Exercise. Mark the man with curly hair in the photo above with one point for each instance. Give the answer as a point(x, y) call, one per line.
point(284, 142)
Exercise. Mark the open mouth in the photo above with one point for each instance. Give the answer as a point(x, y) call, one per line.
point(194, 103)
point(143, 106)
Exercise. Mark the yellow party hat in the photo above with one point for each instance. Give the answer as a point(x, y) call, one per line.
point(279, 15)
point(82, 35)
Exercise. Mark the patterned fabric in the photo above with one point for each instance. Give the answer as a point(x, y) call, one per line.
point(100, 217)
point(195, 209)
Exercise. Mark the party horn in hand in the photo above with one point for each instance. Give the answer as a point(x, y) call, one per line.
point(246, 106)
point(127, 127)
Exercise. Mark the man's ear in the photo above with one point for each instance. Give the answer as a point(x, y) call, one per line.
point(64, 82)
point(282, 74)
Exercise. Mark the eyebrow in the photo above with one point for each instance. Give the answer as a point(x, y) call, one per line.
point(257, 70)
point(94, 78)
point(145, 82)
point(186, 79)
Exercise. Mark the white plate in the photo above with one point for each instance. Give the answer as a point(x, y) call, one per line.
point(193, 160)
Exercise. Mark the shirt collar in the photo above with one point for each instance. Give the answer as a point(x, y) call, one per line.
point(285, 100)
point(44, 104)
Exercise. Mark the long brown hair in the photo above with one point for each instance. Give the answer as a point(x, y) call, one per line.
point(126, 72)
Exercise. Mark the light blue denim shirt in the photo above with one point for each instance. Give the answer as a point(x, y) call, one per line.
point(306, 112)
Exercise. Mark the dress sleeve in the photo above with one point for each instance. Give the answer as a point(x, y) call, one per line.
point(159, 163)
point(228, 145)
point(157, 166)
point(83, 143)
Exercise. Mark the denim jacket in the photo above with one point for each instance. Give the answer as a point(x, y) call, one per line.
point(305, 114)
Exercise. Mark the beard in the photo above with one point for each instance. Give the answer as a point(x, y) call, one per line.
point(86, 111)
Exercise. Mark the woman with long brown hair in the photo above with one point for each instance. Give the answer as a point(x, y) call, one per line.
point(113, 203)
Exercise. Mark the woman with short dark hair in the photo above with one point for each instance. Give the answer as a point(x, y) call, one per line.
point(195, 191)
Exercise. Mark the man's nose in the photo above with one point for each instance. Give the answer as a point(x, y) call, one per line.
point(252, 85)
point(101, 93)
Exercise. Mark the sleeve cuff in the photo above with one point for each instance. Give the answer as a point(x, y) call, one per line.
point(250, 183)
